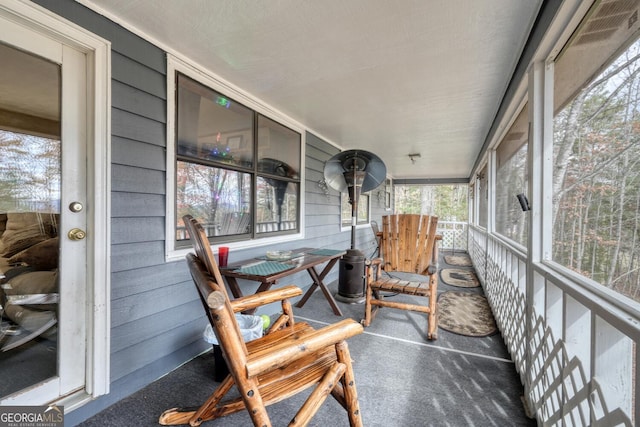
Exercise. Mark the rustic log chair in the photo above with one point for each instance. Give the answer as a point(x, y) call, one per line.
point(274, 367)
point(203, 250)
point(409, 244)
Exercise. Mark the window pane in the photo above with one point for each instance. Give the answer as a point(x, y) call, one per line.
point(213, 127)
point(277, 205)
point(278, 142)
point(219, 198)
point(596, 177)
point(512, 179)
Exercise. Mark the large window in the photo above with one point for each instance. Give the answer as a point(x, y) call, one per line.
point(596, 174)
point(237, 171)
point(512, 180)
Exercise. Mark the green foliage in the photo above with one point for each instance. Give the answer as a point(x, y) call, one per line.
point(596, 225)
point(448, 202)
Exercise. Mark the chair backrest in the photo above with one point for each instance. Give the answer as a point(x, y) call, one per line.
point(203, 249)
point(408, 242)
point(225, 326)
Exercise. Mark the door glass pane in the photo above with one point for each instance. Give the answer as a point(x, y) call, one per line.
point(30, 186)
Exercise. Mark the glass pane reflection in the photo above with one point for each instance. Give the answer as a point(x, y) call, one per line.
point(277, 205)
point(219, 198)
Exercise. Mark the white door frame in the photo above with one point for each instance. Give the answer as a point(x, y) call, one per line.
point(32, 18)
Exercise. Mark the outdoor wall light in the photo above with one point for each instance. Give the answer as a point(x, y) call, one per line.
point(524, 202)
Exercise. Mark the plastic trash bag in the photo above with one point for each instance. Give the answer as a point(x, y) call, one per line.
point(250, 327)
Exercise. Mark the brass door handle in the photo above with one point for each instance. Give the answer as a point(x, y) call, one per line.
point(76, 234)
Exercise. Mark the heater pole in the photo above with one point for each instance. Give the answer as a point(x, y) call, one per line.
point(354, 208)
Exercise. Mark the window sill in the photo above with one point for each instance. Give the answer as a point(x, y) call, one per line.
point(179, 254)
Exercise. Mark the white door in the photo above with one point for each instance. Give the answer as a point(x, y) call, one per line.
point(43, 135)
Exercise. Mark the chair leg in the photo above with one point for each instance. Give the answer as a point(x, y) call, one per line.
point(206, 411)
point(367, 307)
point(252, 399)
point(349, 385)
point(432, 333)
point(370, 310)
point(319, 395)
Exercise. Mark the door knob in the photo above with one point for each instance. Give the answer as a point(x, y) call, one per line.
point(76, 234)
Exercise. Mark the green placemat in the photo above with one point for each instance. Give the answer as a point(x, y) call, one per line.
point(326, 252)
point(265, 268)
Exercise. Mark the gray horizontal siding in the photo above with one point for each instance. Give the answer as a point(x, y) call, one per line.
point(135, 180)
point(136, 127)
point(140, 354)
point(122, 336)
point(138, 75)
point(159, 300)
point(136, 282)
point(129, 98)
point(139, 154)
point(136, 255)
point(136, 229)
point(136, 204)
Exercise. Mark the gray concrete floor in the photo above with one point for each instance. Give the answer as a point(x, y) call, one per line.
point(402, 378)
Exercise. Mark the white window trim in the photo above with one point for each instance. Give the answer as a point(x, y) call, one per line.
point(98, 309)
point(174, 65)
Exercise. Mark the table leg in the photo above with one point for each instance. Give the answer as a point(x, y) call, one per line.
point(317, 281)
point(233, 286)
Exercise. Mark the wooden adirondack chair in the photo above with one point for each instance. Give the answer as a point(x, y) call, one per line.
point(409, 244)
point(272, 368)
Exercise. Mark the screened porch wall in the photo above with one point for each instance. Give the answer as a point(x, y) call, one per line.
point(574, 351)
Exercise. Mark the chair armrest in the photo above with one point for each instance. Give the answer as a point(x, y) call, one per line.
point(373, 262)
point(262, 298)
point(433, 268)
point(295, 347)
point(372, 269)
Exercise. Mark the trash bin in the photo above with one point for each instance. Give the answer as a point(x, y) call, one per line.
point(250, 327)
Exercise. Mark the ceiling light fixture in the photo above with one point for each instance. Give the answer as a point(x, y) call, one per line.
point(413, 157)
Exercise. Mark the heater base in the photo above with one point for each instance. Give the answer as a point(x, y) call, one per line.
point(350, 300)
point(351, 278)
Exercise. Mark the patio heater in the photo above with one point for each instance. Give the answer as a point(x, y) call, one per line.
point(353, 171)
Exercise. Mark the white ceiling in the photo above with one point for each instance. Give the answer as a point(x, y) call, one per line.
point(390, 77)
